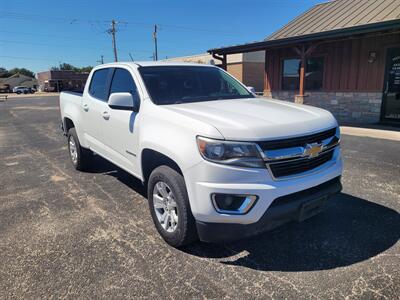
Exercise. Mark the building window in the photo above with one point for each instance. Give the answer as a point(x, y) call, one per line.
point(314, 73)
point(290, 74)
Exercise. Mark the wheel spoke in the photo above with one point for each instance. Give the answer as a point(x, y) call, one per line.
point(162, 189)
point(174, 217)
point(172, 203)
point(158, 201)
point(165, 206)
point(164, 219)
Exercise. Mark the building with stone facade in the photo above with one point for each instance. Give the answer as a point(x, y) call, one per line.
point(246, 67)
point(342, 55)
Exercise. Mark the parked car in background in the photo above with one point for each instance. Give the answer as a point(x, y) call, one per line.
point(218, 162)
point(5, 88)
point(23, 89)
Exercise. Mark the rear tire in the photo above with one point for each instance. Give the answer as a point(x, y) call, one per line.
point(80, 157)
point(171, 214)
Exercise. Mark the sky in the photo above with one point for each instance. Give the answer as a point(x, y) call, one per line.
point(40, 34)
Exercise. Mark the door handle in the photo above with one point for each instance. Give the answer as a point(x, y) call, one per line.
point(85, 107)
point(106, 115)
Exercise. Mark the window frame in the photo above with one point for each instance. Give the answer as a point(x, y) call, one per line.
point(107, 85)
point(322, 55)
point(112, 78)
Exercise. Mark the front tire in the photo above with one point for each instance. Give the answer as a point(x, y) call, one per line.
point(170, 208)
point(80, 157)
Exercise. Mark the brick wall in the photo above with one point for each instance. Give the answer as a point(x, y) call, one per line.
point(236, 70)
point(253, 75)
point(347, 107)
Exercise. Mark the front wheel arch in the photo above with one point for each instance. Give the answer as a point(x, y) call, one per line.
point(152, 159)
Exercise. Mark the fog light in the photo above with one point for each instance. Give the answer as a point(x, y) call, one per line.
point(233, 204)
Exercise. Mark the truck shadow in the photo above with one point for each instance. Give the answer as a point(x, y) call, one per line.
point(351, 230)
point(100, 165)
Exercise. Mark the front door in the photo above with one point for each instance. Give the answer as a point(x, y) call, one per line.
point(391, 92)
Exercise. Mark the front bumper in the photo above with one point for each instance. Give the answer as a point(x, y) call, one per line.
point(293, 207)
point(205, 179)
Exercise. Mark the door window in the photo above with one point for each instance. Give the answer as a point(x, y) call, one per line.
point(123, 82)
point(99, 85)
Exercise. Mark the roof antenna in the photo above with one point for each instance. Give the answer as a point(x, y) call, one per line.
point(131, 56)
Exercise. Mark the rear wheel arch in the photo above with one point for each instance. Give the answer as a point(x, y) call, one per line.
point(68, 124)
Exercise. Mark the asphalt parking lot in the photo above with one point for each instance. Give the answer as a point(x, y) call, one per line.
point(70, 234)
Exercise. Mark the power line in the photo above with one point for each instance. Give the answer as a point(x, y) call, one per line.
point(38, 58)
point(42, 18)
point(58, 45)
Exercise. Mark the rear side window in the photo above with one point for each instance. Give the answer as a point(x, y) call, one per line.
point(99, 85)
point(123, 82)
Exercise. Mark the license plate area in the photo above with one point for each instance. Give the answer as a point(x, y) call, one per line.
point(312, 208)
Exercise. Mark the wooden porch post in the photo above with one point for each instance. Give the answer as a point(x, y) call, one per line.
point(303, 53)
point(302, 72)
point(299, 98)
point(222, 59)
point(224, 62)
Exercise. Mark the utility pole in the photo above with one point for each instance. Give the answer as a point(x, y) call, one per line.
point(155, 43)
point(101, 60)
point(112, 31)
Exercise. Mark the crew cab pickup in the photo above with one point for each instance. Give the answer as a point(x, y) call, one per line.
point(218, 162)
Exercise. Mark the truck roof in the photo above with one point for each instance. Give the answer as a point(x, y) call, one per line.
point(156, 63)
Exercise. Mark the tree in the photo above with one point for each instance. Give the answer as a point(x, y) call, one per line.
point(69, 67)
point(4, 73)
point(22, 71)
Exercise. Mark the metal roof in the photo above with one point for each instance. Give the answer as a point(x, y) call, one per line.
point(332, 19)
point(339, 14)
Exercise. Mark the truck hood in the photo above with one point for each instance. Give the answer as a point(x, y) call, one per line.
point(257, 118)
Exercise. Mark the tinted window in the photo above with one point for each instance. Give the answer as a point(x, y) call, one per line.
point(98, 86)
point(183, 84)
point(314, 73)
point(313, 77)
point(122, 82)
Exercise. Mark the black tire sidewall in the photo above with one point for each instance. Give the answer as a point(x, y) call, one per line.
point(84, 155)
point(184, 232)
point(72, 135)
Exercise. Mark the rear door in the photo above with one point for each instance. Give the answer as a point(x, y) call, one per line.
point(120, 128)
point(94, 103)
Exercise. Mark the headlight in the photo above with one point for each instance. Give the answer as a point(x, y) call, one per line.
point(230, 153)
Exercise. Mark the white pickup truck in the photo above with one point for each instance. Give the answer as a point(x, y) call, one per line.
point(218, 162)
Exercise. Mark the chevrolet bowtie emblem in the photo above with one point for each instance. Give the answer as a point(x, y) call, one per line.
point(312, 150)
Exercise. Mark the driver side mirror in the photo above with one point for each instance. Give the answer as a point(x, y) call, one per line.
point(123, 101)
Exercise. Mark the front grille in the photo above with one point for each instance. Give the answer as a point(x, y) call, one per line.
point(293, 167)
point(297, 141)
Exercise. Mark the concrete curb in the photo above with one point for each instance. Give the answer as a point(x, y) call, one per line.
point(372, 133)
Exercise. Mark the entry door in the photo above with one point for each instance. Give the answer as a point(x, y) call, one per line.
point(391, 92)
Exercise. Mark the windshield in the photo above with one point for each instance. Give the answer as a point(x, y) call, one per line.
point(184, 84)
